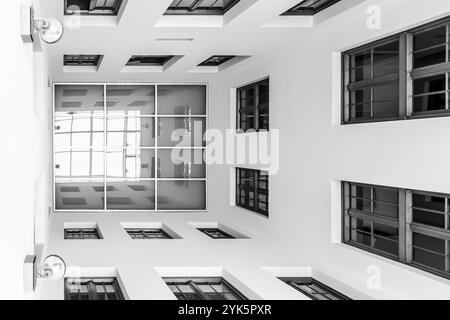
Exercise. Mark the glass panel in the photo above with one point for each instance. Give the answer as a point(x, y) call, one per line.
point(181, 195)
point(79, 164)
point(430, 57)
point(79, 100)
point(433, 102)
point(130, 132)
point(430, 84)
point(430, 38)
point(385, 195)
point(429, 243)
point(182, 100)
point(85, 198)
point(360, 111)
point(130, 163)
point(387, 51)
point(190, 134)
point(429, 259)
point(131, 195)
point(361, 96)
point(181, 163)
point(130, 100)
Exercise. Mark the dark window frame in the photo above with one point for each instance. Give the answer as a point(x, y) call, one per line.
point(196, 9)
point(91, 284)
point(259, 114)
point(300, 10)
point(257, 190)
point(221, 234)
point(195, 282)
point(148, 233)
point(406, 76)
point(109, 11)
point(82, 234)
point(407, 227)
point(216, 60)
point(138, 60)
point(298, 282)
point(84, 60)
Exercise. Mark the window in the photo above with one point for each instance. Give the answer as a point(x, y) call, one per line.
point(215, 61)
point(92, 7)
point(81, 234)
point(401, 77)
point(310, 7)
point(314, 289)
point(113, 145)
point(253, 107)
point(92, 289)
point(147, 234)
point(215, 233)
point(82, 60)
point(148, 60)
point(408, 226)
point(200, 7)
point(252, 190)
point(203, 289)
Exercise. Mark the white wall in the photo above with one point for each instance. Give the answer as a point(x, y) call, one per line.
point(314, 152)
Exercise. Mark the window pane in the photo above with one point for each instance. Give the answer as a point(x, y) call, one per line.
point(130, 163)
point(429, 243)
point(84, 198)
point(189, 132)
point(79, 100)
point(181, 163)
point(430, 84)
point(181, 195)
point(130, 100)
point(433, 102)
point(182, 100)
point(430, 57)
point(131, 195)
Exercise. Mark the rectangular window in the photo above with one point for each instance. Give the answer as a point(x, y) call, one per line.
point(215, 61)
point(412, 227)
point(82, 60)
point(81, 234)
point(92, 7)
point(203, 289)
point(310, 7)
point(253, 107)
point(140, 234)
point(314, 289)
point(215, 233)
point(401, 77)
point(252, 190)
point(200, 7)
point(113, 148)
point(92, 289)
point(148, 60)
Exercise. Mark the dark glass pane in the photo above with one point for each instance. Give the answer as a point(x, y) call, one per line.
point(386, 109)
point(386, 51)
point(429, 259)
point(385, 231)
point(430, 84)
point(360, 59)
point(429, 243)
point(361, 191)
point(363, 239)
point(386, 67)
point(430, 38)
point(433, 102)
point(387, 210)
point(385, 195)
point(363, 225)
point(428, 202)
point(430, 57)
point(361, 204)
point(361, 96)
point(386, 92)
point(429, 218)
point(386, 246)
point(360, 111)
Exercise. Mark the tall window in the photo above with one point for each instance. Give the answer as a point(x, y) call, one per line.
point(92, 289)
point(113, 147)
point(203, 289)
point(92, 7)
point(409, 226)
point(252, 190)
point(314, 289)
point(200, 7)
point(401, 77)
point(253, 107)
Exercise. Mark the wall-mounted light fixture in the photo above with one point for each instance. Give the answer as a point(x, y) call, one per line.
point(50, 30)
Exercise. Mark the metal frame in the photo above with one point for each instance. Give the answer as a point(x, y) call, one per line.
point(256, 120)
point(154, 116)
point(196, 8)
point(97, 58)
point(297, 283)
point(94, 11)
point(92, 287)
point(162, 60)
point(82, 232)
point(146, 232)
point(407, 75)
point(301, 10)
point(194, 283)
point(406, 228)
point(212, 61)
point(222, 234)
point(256, 191)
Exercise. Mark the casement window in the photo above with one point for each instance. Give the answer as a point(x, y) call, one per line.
point(92, 7)
point(253, 107)
point(200, 7)
point(215, 233)
point(215, 61)
point(412, 227)
point(140, 234)
point(252, 190)
point(314, 289)
point(92, 289)
point(310, 7)
point(81, 234)
point(113, 148)
point(82, 60)
point(203, 289)
point(139, 60)
point(402, 77)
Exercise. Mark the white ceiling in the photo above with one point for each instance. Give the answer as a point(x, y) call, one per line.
point(136, 33)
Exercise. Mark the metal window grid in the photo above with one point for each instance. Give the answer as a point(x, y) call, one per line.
point(200, 7)
point(314, 289)
point(92, 289)
point(310, 7)
point(147, 233)
point(216, 233)
point(81, 234)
